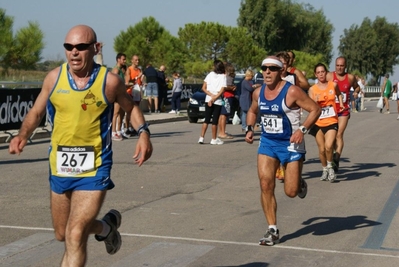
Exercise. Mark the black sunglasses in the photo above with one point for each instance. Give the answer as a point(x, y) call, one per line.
point(79, 47)
point(271, 68)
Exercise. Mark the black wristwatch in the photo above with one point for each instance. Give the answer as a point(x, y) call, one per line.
point(143, 128)
point(248, 128)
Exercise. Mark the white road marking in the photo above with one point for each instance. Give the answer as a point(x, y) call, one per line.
point(227, 242)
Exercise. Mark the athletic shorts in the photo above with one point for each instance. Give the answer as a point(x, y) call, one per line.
point(226, 108)
point(313, 131)
point(280, 152)
point(60, 185)
point(346, 111)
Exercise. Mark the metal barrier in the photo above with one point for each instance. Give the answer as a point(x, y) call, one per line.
point(372, 89)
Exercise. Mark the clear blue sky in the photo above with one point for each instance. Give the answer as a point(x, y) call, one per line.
point(109, 18)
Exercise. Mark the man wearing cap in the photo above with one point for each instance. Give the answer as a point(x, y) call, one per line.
point(282, 138)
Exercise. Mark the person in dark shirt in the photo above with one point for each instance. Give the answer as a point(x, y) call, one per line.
point(151, 87)
point(162, 88)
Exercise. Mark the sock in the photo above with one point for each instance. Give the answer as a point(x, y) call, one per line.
point(118, 132)
point(324, 168)
point(113, 133)
point(329, 164)
point(273, 227)
point(106, 229)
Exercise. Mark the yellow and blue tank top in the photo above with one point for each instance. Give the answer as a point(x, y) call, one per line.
point(81, 119)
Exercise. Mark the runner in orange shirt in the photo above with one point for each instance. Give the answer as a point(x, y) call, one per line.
point(325, 129)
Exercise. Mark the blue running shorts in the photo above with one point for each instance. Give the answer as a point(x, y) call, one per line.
point(60, 185)
point(279, 150)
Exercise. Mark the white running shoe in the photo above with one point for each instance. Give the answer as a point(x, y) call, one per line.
point(324, 176)
point(331, 175)
point(201, 140)
point(172, 111)
point(217, 141)
point(117, 137)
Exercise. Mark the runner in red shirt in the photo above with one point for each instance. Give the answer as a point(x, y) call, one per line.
point(345, 81)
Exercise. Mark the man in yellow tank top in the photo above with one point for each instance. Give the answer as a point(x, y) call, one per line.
point(79, 97)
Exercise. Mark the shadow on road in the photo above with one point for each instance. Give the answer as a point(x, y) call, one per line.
point(331, 225)
point(355, 172)
point(253, 264)
point(18, 161)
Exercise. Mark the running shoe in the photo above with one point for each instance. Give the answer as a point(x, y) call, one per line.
point(117, 137)
point(201, 140)
point(324, 176)
point(113, 240)
point(387, 112)
point(335, 164)
point(172, 111)
point(270, 238)
point(126, 134)
point(216, 141)
point(304, 189)
point(331, 175)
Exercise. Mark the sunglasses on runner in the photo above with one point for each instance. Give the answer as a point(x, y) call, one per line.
point(79, 47)
point(271, 68)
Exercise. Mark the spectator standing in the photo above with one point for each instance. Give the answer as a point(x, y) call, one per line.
point(77, 194)
point(247, 88)
point(151, 87)
point(162, 88)
point(119, 69)
point(228, 98)
point(213, 86)
point(360, 98)
point(176, 93)
point(282, 139)
point(325, 129)
point(386, 89)
point(397, 98)
point(133, 81)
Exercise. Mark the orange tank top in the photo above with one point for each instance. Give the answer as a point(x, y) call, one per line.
point(325, 98)
point(134, 73)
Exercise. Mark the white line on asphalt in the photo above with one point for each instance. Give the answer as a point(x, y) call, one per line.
point(225, 242)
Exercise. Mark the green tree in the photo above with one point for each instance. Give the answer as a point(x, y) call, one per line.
point(306, 62)
point(242, 50)
point(371, 48)
point(23, 50)
point(278, 25)
point(207, 41)
point(152, 43)
point(6, 23)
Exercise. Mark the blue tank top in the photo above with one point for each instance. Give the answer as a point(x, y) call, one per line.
point(278, 121)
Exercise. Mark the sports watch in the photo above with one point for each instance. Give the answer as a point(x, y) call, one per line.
point(303, 129)
point(248, 128)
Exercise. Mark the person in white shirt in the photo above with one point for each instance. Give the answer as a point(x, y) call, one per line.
point(213, 86)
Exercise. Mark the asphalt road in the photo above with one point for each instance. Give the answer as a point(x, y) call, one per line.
point(197, 205)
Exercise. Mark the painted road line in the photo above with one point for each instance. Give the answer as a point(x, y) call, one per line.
point(31, 250)
point(377, 235)
point(231, 243)
point(25, 244)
